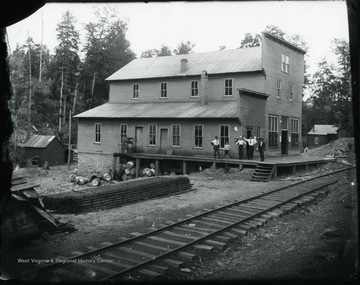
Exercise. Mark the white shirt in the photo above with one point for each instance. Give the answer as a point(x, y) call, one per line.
point(215, 142)
point(251, 141)
point(240, 142)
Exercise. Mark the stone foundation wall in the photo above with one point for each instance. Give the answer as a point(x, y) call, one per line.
point(93, 162)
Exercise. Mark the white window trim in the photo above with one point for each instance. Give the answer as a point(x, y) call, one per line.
point(285, 63)
point(232, 87)
point(202, 128)
point(138, 91)
point(172, 135)
point(156, 134)
point(167, 90)
point(99, 142)
point(278, 87)
point(191, 89)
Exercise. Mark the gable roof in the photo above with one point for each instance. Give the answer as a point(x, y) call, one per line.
point(216, 62)
point(186, 110)
point(323, 130)
point(39, 141)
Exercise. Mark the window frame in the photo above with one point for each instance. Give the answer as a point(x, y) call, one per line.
point(194, 89)
point(202, 136)
point(163, 91)
point(222, 139)
point(152, 135)
point(97, 133)
point(136, 91)
point(176, 136)
point(273, 131)
point(285, 63)
point(295, 132)
point(228, 89)
point(291, 94)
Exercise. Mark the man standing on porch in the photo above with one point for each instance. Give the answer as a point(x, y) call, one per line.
point(262, 148)
point(216, 145)
point(252, 143)
point(241, 145)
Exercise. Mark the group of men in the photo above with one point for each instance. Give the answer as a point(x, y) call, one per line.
point(242, 143)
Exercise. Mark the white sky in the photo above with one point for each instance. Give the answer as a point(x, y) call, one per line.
point(208, 25)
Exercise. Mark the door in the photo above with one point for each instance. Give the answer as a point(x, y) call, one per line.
point(138, 139)
point(164, 140)
point(284, 142)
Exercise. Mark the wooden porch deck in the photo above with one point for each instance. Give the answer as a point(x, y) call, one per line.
point(286, 161)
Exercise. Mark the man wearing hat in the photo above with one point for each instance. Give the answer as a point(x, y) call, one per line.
point(261, 147)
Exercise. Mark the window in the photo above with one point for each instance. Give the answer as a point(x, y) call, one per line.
point(194, 88)
point(163, 91)
point(97, 131)
point(258, 132)
point(136, 91)
point(273, 131)
point(152, 134)
point(224, 135)
point(294, 132)
point(316, 141)
point(123, 132)
point(176, 130)
point(291, 95)
point(198, 136)
point(285, 63)
point(228, 87)
point(278, 87)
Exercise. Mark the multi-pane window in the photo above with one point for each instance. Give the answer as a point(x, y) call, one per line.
point(316, 140)
point(97, 132)
point(194, 88)
point(176, 131)
point(136, 91)
point(228, 87)
point(278, 88)
point(163, 90)
point(285, 63)
point(224, 135)
point(294, 132)
point(198, 136)
point(123, 132)
point(291, 95)
point(152, 134)
point(273, 131)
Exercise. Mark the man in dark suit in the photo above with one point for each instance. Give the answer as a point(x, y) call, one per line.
point(261, 147)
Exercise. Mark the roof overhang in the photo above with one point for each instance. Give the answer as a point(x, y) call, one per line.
point(244, 91)
point(284, 42)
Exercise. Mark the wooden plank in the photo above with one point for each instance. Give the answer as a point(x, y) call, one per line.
point(166, 240)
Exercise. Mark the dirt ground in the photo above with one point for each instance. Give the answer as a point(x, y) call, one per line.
point(315, 242)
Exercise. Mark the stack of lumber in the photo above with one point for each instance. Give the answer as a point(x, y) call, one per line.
point(115, 195)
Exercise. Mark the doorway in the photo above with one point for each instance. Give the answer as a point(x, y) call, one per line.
point(164, 140)
point(138, 139)
point(284, 142)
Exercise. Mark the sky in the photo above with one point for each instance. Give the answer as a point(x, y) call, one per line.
point(208, 25)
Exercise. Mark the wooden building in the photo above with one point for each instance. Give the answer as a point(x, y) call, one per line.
point(180, 103)
point(40, 148)
point(320, 135)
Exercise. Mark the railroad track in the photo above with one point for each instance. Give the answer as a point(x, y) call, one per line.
point(162, 250)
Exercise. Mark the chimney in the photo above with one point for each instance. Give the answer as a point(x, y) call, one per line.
point(203, 88)
point(183, 67)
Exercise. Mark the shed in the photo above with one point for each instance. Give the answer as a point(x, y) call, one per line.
point(321, 134)
point(41, 148)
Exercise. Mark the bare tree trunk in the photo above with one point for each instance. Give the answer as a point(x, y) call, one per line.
point(75, 96)
point(61, 98)
point(65, 98)
point(29, 103)
point(69, 146)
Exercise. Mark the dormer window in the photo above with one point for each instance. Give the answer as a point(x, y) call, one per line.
point(285, 63)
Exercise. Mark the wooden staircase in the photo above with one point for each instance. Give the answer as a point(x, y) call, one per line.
point(263, 172)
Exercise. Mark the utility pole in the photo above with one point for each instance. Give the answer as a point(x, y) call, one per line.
point(29, 103)
point(69, 146)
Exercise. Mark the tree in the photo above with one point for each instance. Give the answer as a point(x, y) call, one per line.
point(276, 31)
point(163, 51)
point(66, 64)
point(184, 48)
point(250, 41)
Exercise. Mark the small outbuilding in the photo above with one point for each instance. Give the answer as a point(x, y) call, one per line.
point(40, 148)
point(321, 134)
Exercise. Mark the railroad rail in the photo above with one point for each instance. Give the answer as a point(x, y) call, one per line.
point(153, 254)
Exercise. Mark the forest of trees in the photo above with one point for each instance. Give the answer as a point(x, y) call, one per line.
point(47, 86)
